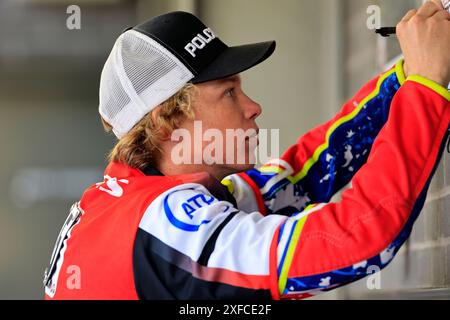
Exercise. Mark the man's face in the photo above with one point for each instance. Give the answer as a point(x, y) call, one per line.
point(222, 108)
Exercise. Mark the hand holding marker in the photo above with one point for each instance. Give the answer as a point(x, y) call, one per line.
point(387, 31)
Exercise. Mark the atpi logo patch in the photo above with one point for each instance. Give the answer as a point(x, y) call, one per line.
point(184, 216)
point(189, 209)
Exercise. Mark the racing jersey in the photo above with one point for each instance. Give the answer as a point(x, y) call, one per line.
point(272, 232)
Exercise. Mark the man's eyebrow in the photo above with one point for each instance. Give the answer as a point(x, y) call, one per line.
point(234, 79)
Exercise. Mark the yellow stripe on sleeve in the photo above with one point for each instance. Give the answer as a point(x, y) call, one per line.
point(400, 71)
point(290, 254)
point(430, 84)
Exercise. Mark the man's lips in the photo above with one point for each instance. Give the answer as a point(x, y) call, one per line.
point(254, 136)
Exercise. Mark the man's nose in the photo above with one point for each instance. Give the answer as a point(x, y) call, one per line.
point(252, 109)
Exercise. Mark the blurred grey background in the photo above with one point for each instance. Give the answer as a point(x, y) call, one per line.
point(52, 145)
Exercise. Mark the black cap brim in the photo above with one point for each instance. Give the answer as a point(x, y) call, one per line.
point(235, 60)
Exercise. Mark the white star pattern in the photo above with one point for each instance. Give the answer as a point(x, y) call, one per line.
point(325, 282)
point(350, 134)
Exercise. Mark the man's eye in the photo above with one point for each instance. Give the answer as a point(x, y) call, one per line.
point(230, 92)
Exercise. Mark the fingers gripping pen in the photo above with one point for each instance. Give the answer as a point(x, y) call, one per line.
point(387, 31)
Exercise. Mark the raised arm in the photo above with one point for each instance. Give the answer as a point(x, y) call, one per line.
point(376, 215)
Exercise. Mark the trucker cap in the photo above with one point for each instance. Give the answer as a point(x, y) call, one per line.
point(152, 61)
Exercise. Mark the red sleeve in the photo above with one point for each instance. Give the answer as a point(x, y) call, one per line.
point(327, 245)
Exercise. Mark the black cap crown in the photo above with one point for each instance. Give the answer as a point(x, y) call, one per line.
point(199, 49)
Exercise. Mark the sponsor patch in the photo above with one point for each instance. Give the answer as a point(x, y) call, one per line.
point(185, 215)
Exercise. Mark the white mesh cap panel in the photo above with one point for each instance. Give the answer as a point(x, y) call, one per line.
point(139, 75)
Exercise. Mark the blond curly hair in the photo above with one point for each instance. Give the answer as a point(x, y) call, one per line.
point(140, 147)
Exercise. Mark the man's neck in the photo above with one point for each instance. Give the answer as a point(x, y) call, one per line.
point(168, 168)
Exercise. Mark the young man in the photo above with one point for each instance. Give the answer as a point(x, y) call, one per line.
point(157, 229)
